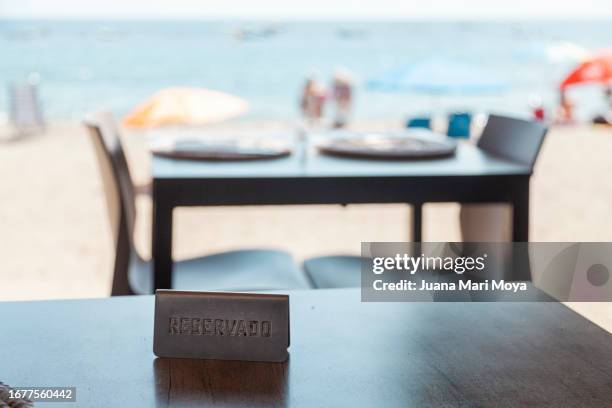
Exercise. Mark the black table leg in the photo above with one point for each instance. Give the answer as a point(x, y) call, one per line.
point(162, 242)
point(521, 269)
point(417, 222)
point(520, 214)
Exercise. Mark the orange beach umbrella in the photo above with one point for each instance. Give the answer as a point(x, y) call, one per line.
point(597, 69)
point(185, 106)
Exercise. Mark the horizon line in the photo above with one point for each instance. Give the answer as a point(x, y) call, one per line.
point(317, 18)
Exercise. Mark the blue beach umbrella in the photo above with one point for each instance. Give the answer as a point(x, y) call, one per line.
point(438, 76)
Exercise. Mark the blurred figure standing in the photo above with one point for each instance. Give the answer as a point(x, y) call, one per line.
point(565, 114)
point(312, 103)
point(608, 96)
point(539, 113)
point(537, 108)
point(606, 118)
point(343, 97)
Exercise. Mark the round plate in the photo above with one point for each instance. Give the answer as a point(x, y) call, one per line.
point(223, 149)
point(407, 145)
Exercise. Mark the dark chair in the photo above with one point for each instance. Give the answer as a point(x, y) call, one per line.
point(243, 270)
point(513, 139)
point(421, 122)
point(459, 125)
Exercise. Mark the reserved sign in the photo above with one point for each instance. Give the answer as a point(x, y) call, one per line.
point(221, 326)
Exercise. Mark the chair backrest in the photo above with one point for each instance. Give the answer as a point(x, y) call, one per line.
point(513, 139)
point(459, 125)
point(119, 192)
point(422, 122)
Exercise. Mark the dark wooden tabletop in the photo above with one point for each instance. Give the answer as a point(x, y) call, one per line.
point(343, 353)
point(307, 177)
point(468, 161)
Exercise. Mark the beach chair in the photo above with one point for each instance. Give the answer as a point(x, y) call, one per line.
point(459, 125)
point(25, 111)
point(244, 270)
point(420, 122)
point(514, 139)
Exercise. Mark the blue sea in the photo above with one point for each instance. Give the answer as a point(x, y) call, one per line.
point(87, 65)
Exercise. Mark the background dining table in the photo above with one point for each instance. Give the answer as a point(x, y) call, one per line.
point(308, 177)
point(343, 352)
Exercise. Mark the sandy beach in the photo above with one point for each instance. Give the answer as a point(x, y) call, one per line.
point(56, 242)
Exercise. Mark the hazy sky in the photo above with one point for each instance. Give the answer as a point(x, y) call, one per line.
point(333, 9)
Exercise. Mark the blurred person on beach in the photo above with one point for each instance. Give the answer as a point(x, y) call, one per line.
point(537, 108)
point(606, 118)
point(343, 97)
point(539, 113)
point(565, 113)
point(312, 103)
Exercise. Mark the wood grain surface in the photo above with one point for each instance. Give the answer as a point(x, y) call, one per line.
point(343, 353)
